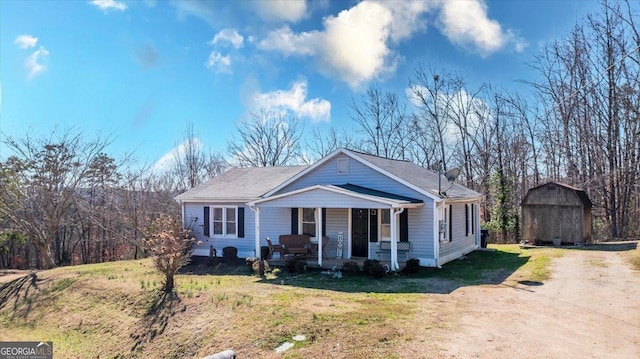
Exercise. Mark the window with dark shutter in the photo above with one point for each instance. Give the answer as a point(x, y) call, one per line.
point(404, 225)
point(473, 218)
point(466, 219)
point(324, 221)
point(373, 224)
point(206, 219)
point(240, 222)
point(294, 221)
point(450, 223)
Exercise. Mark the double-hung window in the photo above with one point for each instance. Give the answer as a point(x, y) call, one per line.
point(225, 221)
point(308, 221)
point(385, 224)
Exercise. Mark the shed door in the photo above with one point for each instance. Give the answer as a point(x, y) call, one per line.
point(359, 232)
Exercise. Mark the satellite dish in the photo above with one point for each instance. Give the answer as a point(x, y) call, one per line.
point(452, 174)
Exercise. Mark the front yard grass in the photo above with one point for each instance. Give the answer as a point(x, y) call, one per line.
point(115, 310)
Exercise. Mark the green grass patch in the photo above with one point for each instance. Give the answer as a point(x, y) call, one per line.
point(634, 259)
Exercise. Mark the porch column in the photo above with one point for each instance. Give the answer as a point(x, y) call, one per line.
point(395, 234)
point(319, 234)
point(256, 210)
point(394, 241)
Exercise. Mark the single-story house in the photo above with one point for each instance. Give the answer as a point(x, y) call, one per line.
point(361, 203)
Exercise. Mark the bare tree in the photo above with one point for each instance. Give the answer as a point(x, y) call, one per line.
point(381, 119)
point(429, 92)
point(265, 139)
point(42, 182)
point(318, 146)
point(192, 164)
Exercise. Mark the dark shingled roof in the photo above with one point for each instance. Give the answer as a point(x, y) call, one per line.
point(241, 184)
point(373, 192)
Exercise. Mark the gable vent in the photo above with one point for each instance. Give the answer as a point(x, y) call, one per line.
point(343, 166)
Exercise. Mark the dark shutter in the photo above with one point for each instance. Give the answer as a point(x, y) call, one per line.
point(206, 221)
point(240, 222)
point(373, 225)
point(466, 219)
point(294, 221)
point(450, 223)
point(473, 218)
point(404, 225)
point(324, 221)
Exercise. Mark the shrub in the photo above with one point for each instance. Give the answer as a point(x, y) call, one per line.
point(170, 245)
point(412, 266)
point(368, 263)
point(254, 264)
point(229, 254)
point(376, 270)
point(350, 266)
point(295, 265)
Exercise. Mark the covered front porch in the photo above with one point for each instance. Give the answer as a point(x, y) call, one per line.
point(352, 217)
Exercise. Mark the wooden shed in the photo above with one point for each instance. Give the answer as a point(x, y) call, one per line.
point(556, 212)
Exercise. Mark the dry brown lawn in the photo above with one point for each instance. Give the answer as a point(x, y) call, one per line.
point(539, 303)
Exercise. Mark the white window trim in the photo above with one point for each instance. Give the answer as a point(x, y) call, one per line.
point(224, 222)
point(380, 238)
point(301, 221)
point(342, 166)
point(442, 218)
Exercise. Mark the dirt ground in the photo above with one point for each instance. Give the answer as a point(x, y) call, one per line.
point(589, 309)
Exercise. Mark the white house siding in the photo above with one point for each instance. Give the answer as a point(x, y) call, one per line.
point(420, 219)
point(337, 221)
point(461, 243)
point(359, 174)
point(420, 235)
point(274, 221)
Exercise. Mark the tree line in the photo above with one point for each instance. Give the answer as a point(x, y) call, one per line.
point(64, 200)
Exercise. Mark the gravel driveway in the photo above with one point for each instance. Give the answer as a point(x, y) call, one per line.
point(589, 309)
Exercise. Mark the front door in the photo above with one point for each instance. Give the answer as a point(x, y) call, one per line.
point(359, 232)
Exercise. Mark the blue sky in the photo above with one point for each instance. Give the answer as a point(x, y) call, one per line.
point(141, 70)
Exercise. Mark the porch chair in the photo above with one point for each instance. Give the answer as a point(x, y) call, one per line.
point(314, 248)
point(275, 248)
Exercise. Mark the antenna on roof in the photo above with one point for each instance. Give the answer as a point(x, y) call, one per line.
point(451, 176)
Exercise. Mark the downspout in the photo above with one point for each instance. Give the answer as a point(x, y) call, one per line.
point(184, 222)
point(257, 231)
point(436, 233)
point(394, 238)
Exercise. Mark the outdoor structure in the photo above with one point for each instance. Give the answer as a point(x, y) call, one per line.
point(556, 212)
point(356, 200)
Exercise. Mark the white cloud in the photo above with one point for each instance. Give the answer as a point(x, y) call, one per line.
point(356, 45)
point(467, 24)
point(408, 17)
point(34, 64)
point(25, 41)
point(281, 10)
point(106, 5)
point(168, 160)
point(295, 101)
point(289, 43)
point(219, 63)
point(204, 10)
point(230, 36)
point(352, 46)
